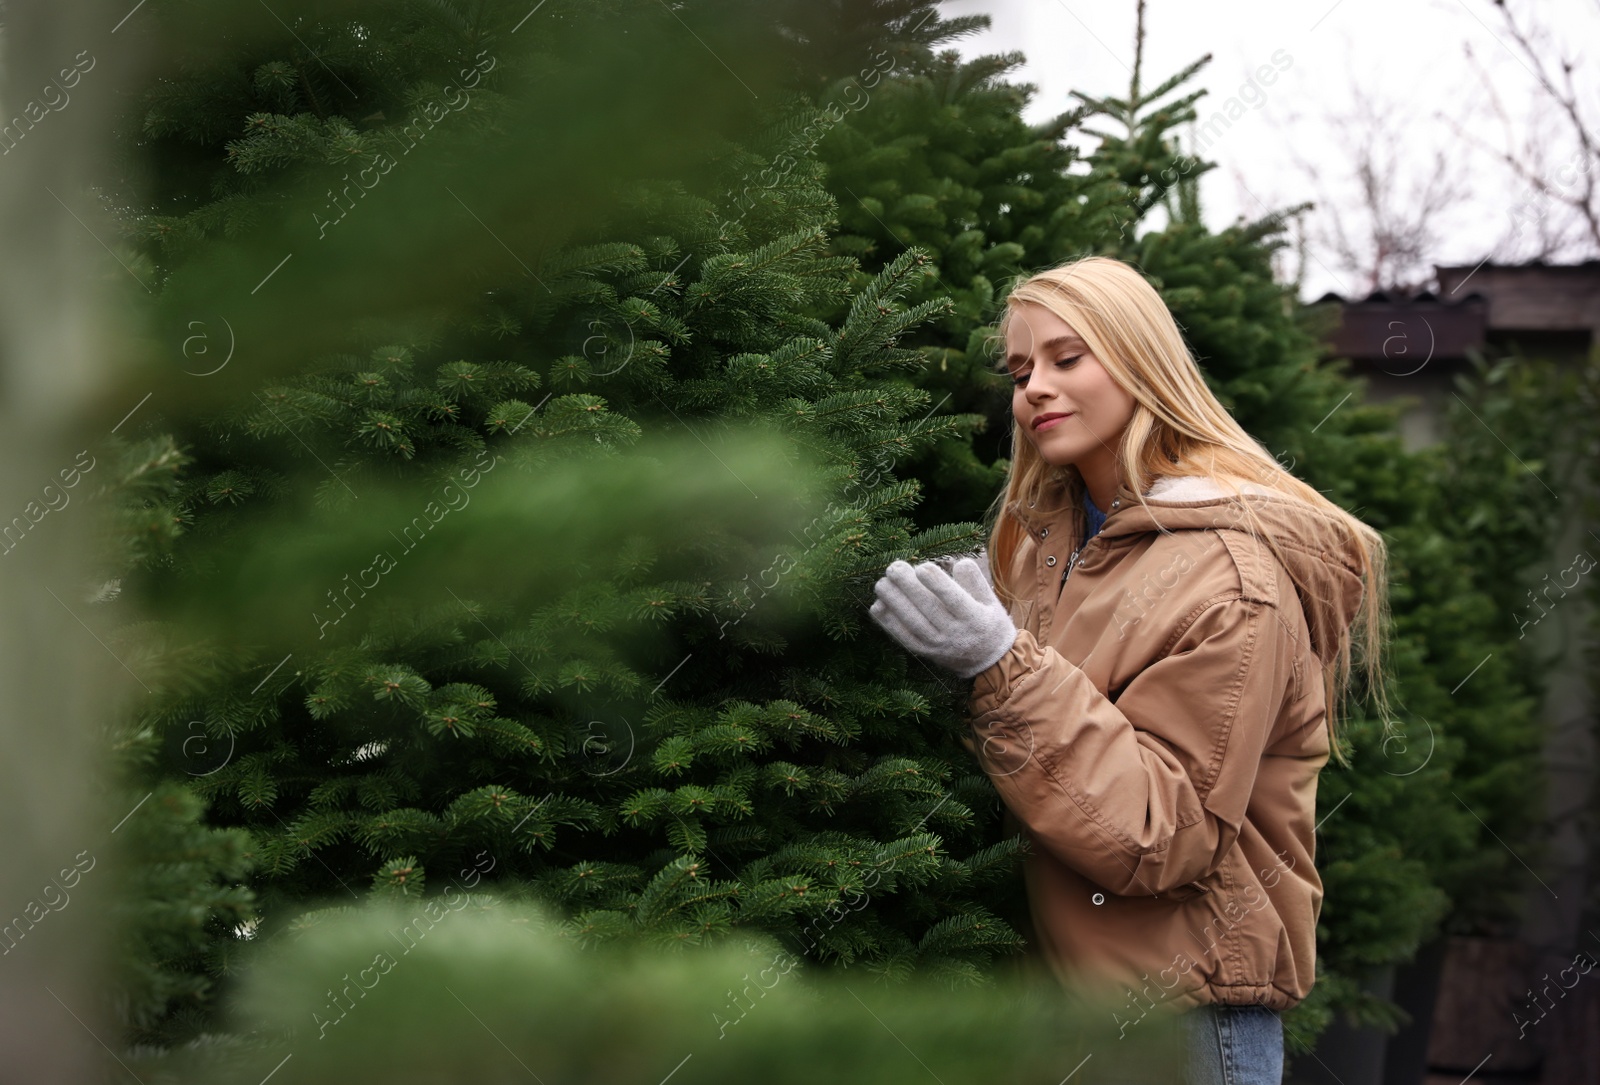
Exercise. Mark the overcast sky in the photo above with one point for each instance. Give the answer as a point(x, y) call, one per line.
point(1409, 57)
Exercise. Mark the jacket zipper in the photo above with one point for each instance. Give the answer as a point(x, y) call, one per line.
point(1073, 560)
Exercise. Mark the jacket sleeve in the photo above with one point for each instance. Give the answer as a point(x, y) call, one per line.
point(1145, 794)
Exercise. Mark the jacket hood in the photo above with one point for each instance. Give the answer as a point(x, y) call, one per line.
point(1322, 560)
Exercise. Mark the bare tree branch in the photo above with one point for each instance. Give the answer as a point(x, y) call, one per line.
point(1573, 183)
point(1386, 232)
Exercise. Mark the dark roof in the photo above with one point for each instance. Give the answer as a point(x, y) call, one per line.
point(1394, 330)
point(1401, 328)
point(1588, 267)
point(1384, 297)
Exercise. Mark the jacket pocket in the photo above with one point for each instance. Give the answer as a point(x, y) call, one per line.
point(1187, 891)
point(1218, 879)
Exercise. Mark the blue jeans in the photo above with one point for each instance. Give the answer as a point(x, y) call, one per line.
point(1233, 1045)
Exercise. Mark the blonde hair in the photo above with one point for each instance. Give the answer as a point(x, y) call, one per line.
point(1178, 428)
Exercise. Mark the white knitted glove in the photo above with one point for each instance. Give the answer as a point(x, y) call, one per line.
point(982, 558)
point(951, 618)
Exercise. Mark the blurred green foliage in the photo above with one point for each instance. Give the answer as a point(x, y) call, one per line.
point(485, 992)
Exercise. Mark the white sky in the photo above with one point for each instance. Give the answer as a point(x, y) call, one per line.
point(1408, 56)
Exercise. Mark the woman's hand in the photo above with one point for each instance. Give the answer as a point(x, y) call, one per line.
point(951, 618)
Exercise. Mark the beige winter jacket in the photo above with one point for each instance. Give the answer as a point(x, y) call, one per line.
point(1157, 730)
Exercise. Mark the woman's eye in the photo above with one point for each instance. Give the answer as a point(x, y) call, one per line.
point(1022, 378)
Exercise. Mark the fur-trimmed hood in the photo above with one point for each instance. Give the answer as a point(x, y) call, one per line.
point(1321, 558)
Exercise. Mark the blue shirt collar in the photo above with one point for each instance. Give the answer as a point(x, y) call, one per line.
point(1095, 516)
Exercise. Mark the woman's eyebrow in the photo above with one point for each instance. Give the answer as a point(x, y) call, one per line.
point(1015, 358)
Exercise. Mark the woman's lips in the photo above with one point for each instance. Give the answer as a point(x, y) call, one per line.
point(1048, 422)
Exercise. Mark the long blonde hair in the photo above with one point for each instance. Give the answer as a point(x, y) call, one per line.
point(1178, 428)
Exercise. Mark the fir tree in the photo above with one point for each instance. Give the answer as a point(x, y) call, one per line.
point(941, 158)
point(181, 885)
point(794, 776)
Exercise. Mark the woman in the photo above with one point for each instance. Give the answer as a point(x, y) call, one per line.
point(1156, 684)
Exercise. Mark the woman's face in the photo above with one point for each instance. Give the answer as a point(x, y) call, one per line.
point(1053, 373)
